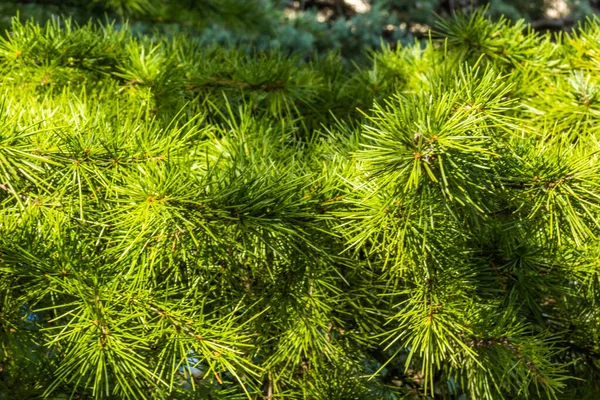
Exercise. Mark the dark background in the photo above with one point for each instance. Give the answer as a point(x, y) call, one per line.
point(301, 26)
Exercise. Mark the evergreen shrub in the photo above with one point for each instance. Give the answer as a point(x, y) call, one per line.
point(185, 221)
point(302, 27)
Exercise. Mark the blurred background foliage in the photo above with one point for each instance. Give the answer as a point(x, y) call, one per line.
point(303, 27)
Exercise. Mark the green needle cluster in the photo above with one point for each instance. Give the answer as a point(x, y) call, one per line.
point(183, 221)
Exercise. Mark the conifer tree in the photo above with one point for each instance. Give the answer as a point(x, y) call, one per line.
point(187, 221)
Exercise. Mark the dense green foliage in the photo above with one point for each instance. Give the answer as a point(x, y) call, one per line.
point(184, 221)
